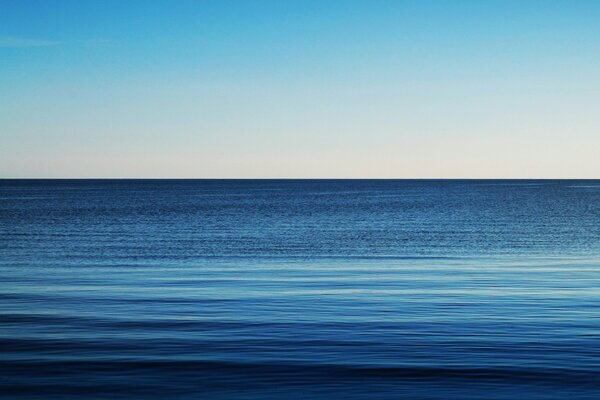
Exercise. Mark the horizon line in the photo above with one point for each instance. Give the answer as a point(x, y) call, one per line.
point(298, 179)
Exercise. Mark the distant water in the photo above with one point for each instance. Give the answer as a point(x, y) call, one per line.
point(248, 289)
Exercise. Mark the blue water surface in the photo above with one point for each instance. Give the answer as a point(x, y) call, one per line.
point(275, 289)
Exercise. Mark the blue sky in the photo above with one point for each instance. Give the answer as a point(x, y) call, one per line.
point(405, 89)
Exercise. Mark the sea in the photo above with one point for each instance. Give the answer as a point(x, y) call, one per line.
point(300, 289)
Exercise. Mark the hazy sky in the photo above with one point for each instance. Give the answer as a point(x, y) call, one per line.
point(284, 88)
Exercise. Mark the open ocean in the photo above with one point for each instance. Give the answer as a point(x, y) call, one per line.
point(295, 289)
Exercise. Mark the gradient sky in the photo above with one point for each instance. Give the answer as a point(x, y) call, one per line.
point(390, 89)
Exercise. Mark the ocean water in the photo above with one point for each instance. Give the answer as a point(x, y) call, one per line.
point(271, 289)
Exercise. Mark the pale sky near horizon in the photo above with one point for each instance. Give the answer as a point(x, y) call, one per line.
point(299, 89)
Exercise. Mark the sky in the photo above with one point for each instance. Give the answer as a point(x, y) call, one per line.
point(299, 89)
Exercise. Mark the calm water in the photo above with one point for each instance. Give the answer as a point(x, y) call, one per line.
point(300, 289)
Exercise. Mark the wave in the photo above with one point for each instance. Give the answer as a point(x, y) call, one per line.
point(311, 372)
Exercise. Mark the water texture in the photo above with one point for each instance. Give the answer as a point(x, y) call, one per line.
point(271, 289)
